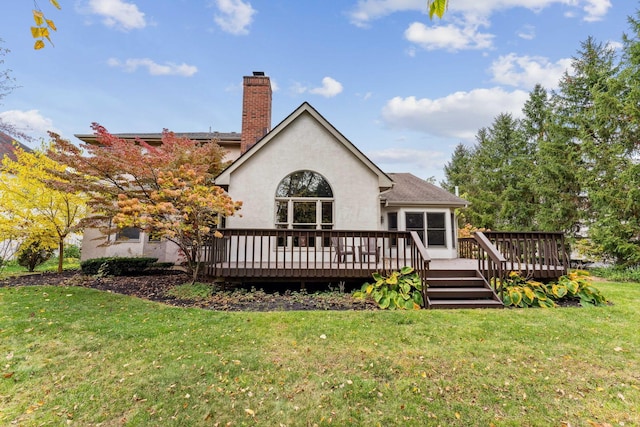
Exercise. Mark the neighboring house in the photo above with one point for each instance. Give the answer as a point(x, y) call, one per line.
point(304, 174)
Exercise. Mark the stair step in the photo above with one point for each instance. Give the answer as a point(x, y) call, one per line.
point(455, 281)
point(459, 292)
point(468, 303)
point(452, 273)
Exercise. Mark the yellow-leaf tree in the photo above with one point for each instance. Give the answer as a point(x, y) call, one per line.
point(166, 190)
point(36, 203)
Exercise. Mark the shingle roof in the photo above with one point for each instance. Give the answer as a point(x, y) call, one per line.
point(408, 189)
point(7, 148)
point(223, 138)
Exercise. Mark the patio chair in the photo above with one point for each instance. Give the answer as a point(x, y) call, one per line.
point(368, 248)
point(342, 249)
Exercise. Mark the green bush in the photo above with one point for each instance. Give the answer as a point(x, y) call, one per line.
point(116, 266)
point(72, 251)
point(33, 254)
point(400, 290)
point(576, 286)
point(617, 274)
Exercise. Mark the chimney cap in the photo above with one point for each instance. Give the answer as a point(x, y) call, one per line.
point(258, 73)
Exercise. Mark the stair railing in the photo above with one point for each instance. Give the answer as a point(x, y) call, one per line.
point(420, 260)
point(491, 263)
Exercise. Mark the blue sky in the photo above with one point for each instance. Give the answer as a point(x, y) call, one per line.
point(404, 89)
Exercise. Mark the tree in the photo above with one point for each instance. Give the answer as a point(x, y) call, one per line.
point(165, 190)
point(36, 204)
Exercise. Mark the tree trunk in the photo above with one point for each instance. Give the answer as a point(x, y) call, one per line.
point(60, 254)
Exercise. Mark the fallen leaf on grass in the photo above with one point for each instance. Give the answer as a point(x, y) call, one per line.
point(250, 412)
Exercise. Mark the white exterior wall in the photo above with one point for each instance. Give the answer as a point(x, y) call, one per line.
point(305, 145)
point(93, 246)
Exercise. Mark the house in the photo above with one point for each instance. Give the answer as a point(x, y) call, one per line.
point(349, 191)
point(316, 208)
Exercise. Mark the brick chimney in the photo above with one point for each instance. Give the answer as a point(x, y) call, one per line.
point(256, 109)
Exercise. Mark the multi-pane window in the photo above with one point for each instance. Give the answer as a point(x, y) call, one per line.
point(304, 201)
point(431, 225)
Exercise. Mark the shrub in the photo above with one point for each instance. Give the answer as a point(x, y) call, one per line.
point(33, 254)
point(400, 290)
point(518, 292)
point(72, 251)
point(617, 274)
point(116, 266)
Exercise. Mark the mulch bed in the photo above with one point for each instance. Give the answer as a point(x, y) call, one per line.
point(154, 287)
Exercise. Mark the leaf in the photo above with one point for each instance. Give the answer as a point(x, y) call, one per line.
point(38, 45)
point(437, 7)
point(38, 17)
point(250, 412)
point(406, 270)
point(56, 4)
point(51, 25)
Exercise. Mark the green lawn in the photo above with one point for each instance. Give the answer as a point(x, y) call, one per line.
point(83, 357)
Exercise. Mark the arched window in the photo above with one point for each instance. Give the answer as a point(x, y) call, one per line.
point(304, 201)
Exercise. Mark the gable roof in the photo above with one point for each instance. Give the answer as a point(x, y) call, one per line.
point(411, 190)
point(384, 181)
point(7, 147)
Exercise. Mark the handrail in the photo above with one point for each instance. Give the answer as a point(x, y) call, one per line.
point(534, 254)
point(421, 263)
point(491, 263)
point(311, 254)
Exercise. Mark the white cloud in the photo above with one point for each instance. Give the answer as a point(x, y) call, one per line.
point(30, 122)
point(235, 16)
point(408, 158)
point(458, 115)
point(596, 9)
point(528, 32)
point(370, 10)
point(118, 14)
point(330, 88)
point(526, 71)
point(155, 69)
point(448, 37)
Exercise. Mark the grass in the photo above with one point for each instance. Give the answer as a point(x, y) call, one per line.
point(85, 357)
point(12, 268)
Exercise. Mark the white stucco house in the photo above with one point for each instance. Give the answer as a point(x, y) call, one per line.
point(303, 175)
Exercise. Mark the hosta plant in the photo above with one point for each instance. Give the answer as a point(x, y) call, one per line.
point(399, 290)
point(519, 292)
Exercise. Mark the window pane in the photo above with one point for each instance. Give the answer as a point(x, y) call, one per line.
point(436, 238)
point(392, 219)
point(282, 209)
point(435, 220)
point(327, 212)
point(415, 221)
point(128, 233)
point(304, 184)
point(304, 212)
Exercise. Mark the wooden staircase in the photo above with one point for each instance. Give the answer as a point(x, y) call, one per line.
point(460, 289)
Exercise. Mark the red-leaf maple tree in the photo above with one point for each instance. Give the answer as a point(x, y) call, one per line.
point(165, 190)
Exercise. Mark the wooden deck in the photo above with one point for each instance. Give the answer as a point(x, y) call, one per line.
point(246, 255)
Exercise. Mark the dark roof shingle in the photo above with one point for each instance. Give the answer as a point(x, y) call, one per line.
point(408, 189)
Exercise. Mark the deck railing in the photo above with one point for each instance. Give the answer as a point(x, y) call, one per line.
point(283, 254)
point(539, 255)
